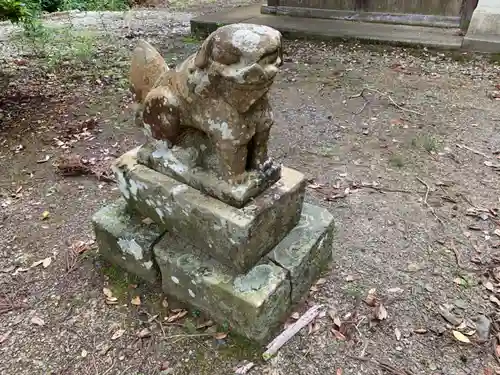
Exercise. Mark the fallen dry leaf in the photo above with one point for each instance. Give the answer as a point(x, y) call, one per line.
point(497, 232)
point(45, 215)
point(371, 298)
point(44, 160)
point(220, 335)
point(84, 353)
point(206, 324)
point(295, 316)
point(339, 371)
point(177, 316)
point(338, 335)
point(337, 321)
point(420, 331)
point(397, 332)
point(320, 281)
point(5, 336)
point(111, 301)
point(380, 312)
point(350, 278)
point(147, 221)
point(145, 332)
point(46, 262)
point(460, 281)
point(395, 290)
point(497, 350)
point(489, 286)
point(117, 334)
point(495, 300)
point(38, 321)
point(461, 337)
point(107, 292)
point(136, 301)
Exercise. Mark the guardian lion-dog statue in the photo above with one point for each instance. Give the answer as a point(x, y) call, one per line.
point(221, 91)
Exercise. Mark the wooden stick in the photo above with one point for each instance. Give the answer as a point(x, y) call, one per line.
point(243, 369)
point(473, 150)
point(431, 209)
point(287, 334)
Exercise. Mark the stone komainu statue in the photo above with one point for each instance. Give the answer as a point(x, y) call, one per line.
point(221, 91)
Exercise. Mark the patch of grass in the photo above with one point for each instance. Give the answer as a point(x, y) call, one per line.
point(354, 291)
point(191, 40)
point(396, 161)
point(495, 58)
point(427, 142)
point(119, 279)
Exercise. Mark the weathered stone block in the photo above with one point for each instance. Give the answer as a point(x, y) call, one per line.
point(253, 304)
point(124, 240)
point(192, 162)
point(306, 251)
point(235, 237)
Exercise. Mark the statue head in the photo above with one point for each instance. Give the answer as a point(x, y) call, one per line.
point(245, 56)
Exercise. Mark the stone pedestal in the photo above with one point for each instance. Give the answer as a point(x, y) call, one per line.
point(246, 266)
point(483, 33)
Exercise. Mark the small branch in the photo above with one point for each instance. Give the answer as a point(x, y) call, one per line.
point(291, 331)
point(244, 368)
point(431, 209)
point(473, 150)
point(394, 103)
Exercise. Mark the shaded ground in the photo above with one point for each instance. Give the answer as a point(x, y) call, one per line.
point(369, 159)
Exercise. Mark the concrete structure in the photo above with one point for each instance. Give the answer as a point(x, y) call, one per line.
point(483, 33)
point(444, 29)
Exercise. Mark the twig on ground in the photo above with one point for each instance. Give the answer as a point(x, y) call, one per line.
point(109, 369)
point(244, 368)
point(287, 334)
point(383, 365)
point(473, 150)
point(360, 95)
point(394, 103)
point(431, 209)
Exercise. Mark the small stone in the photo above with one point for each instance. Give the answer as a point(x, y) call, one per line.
point(461, 304)
point(449, 316)
point(483, 326)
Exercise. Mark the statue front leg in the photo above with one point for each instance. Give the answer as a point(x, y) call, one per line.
point(232, 160)
point(161, 115)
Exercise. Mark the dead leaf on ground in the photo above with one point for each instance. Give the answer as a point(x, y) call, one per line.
point(461, 337)
point(397, 333)
point(147, 221)
point(420, 331)
point(395, 290)
point(206, 324)
point(117, 334)
point(495, 300)
point(45, 215)
point(5, 336)
point(460, 281)
point(339, 371)
point(176, 316)
point(371, 298)
point(350, 278)
point(46, 262)
point(295, 315)
point(107, 292)
point(136, 301)
point(497, 350)
point(84, 353)
point(45, 159)
point(320, 281)
point(313, 328)
point(380, 312)
point(37, 321)
point(338, 335)
point(145, 332)
point(220, 335)
point(489, 286)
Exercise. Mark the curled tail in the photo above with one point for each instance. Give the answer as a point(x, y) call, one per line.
point(146, 68)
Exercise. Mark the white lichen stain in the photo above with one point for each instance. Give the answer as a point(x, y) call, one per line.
point(160, 213)
point(131, 247)
point(178, 189)
point(169, 160)
point(222, 127)
point(147, 130)
point(191, 293)
point(148, 265)
point(193, 282)
point(175, 279)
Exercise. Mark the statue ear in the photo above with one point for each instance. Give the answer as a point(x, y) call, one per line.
point(202, 57)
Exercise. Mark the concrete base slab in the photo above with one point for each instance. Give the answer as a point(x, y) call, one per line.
point(254, 303)
point(237, 237)
point(126, 241)
point(182, 164)
point(327, 29)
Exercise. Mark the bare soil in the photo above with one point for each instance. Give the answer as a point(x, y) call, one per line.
point(408, 168)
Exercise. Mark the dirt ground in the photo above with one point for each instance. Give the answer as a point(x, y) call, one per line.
point(400, 145)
